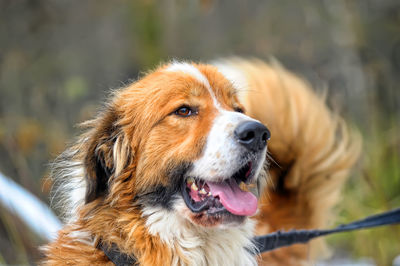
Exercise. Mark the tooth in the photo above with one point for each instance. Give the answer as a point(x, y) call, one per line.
point(243, 186)
point(203, 191)
point(194, 187)
point(190, 180)
point(209, 193)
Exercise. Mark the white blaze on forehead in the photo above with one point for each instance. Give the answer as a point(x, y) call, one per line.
point(194, 72)
point(189, 69)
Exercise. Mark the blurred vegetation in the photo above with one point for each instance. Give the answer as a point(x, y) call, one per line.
point(58, 59)
point(374, 189)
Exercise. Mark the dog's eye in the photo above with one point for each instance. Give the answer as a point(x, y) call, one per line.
point(238, 109)
point(185, 111)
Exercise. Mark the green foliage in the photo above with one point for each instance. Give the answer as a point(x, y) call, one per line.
point(375, 189)
point(75, 88)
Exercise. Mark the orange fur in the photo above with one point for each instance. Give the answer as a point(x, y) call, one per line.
point(143, 151)
point(137, 140)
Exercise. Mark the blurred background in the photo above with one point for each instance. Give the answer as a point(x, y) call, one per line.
point(58, 60)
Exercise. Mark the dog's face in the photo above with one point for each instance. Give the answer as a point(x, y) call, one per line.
point(179, 139)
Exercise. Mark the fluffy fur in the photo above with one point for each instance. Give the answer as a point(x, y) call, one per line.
point(120, 183)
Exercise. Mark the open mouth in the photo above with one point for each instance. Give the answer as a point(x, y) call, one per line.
point(225, 196)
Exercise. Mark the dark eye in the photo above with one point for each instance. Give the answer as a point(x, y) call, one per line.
point(238, 109)
point(185, 111)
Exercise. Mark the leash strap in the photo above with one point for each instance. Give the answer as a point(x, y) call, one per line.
point(115, 255)
point(281, 239)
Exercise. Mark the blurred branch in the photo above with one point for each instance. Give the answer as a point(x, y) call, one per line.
point(30, 209)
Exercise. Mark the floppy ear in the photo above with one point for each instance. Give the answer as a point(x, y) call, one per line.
point(98, 155)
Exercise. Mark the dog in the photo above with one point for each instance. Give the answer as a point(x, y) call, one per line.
point(175, 169)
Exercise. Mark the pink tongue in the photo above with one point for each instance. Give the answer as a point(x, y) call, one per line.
point(235, 200)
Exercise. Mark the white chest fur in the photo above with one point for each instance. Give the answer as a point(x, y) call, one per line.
point(199, 245)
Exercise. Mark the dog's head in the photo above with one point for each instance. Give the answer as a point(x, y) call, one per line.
point(177, 139)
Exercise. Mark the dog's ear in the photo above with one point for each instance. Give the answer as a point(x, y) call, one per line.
point(98, 154)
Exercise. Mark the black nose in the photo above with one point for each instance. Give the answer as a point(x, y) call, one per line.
point(253, 135)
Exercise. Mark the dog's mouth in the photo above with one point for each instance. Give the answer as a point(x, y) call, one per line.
point(221, 197)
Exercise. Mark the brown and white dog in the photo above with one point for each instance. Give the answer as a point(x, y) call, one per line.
point(173, 171)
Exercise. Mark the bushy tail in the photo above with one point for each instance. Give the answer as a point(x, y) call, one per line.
point(311, 152)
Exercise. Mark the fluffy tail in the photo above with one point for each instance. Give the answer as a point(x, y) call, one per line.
point(311, 152)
